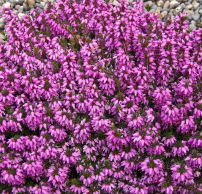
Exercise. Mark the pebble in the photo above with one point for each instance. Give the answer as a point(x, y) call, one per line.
point(196, 11)
point(192, 27)
point(150, 3)
point(183, 6)
point(165, 9)
point(160, 3)
point(38, 5)
point(174, 4)
point(166, 5)
point(163, 14)
point(196, 16)
point(195, 5)
point(25, 7)
point(154, 6)
point(190, 6)
point(7, 4)
point(178, 9)
point(31, 3)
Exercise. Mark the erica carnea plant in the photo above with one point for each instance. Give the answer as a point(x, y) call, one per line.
point(100, 99)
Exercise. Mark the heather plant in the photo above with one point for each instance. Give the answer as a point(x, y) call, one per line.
point(100, 99)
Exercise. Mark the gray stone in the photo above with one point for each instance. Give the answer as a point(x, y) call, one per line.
point(25, 7)
point(17, 7)
point(2, 21)
point(178, 9)
point(175, 13)
point(200, 11)
point(189, 14)
point(20, 2)
point(154, 6)
point(180, 1)
point(193, 22)
point(160, 3)
point(163, 14)
point(170, 15)
point(159, 9)
point(195, 5)
point(183, 6)
point(150, 3)
point(198, 21)
point(38, 5)
point(115, 2)
point(190, 6)
point(45, 7)
point(174, 4)
point(128, 7)
point(7, 4)
point(196, 16)
point(196, 11)
point(192, 27)
point(16, 2)
point(2, 26)
point(20, 10)
point(15, 12)
point(21, 15)
point(166, 5)
point(165, 10)
point(43, 4)
point(152, 10)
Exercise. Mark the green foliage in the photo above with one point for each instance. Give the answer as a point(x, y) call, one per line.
point(4, 92)
point(147, 7)
point(56, 67)
point(5, 38)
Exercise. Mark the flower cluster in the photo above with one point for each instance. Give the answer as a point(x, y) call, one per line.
point(100, 99)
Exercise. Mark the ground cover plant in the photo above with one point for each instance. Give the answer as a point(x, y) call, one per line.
point(97, 99)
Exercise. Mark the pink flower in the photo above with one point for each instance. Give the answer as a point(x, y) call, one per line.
point(180, 151)
point(99, 177)
point(168, 190)
point(33, 168)
point(86, 181)
point(13, 176)
point(187, 125)
point(16, 190)
point(158, 149)
point(108, 187)
point(154, 168)
point(135, 123)
point(141, 141)
point(40, 189)
point(139, 190)
point(181, 173)
point(169, 141)
point(150, 116)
